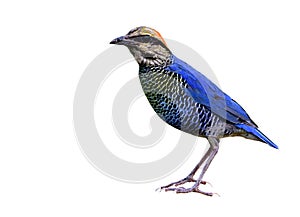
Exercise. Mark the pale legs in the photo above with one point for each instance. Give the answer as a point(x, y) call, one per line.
point(206, 160)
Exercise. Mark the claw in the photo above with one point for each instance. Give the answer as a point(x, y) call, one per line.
point(217, 194)
point(159, 189)
point(205, 182)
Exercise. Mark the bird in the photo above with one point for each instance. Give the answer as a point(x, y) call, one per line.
point(187, 100)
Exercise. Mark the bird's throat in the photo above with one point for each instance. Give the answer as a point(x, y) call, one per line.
point(150, 58)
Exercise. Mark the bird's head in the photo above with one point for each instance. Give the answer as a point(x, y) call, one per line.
point(146, 45)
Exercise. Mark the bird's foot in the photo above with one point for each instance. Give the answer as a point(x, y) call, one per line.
point(180, 182)
point(195, 189)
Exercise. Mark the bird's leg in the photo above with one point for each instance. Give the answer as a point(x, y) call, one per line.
point(189, 178)
point(207, 159)
point(213, 150)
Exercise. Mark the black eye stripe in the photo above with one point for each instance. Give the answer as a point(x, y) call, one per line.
point(146, 39)
point(132, 31)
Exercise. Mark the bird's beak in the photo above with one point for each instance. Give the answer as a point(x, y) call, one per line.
point(118, 40)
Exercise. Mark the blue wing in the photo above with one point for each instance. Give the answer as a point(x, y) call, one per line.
point(207, 93)
point(210, 95)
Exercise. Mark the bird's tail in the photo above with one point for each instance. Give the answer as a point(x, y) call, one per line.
point(256, 133)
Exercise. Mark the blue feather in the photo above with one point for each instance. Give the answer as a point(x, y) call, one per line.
point(207, 93)
point(258, 134)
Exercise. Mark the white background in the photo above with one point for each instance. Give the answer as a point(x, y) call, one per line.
point(253, 48)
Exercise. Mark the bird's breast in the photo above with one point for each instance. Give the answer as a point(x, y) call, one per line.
point(167, 92)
